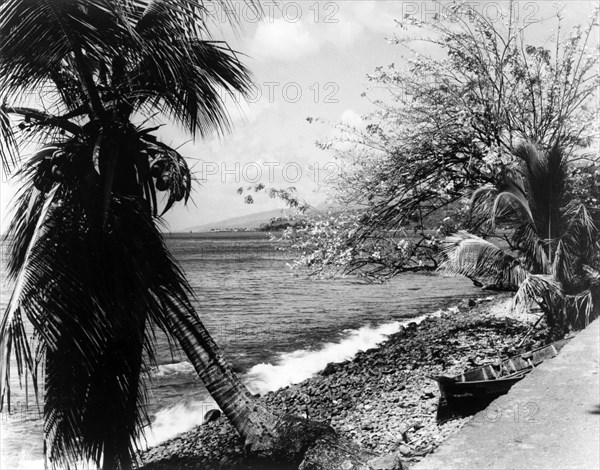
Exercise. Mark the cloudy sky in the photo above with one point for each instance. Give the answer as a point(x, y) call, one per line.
point(309, 59)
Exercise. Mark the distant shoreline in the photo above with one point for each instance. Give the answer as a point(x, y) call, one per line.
point(230, 235)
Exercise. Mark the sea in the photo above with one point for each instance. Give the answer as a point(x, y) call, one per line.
point(276, 326)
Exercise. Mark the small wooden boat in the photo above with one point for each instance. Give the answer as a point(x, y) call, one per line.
point(484, 384)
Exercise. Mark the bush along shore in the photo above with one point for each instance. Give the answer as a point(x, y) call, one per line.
point(383, 399)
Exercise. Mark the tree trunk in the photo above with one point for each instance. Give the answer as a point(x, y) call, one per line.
point(254, 423)
point(292, 441)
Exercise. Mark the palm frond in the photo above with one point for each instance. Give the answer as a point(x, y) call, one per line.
point(188, 79)
point(94, 320)
point(12, 329)
point(532, 248)
point(97, 354)
point(93, 276)
point(505, 199)
point(576, 245)
point(546, 183)
point(96, 326)
point(192, 15)
point(40, 35)
point(592, 274)
point(9, 155)
point(474, 257)
point(540, 289)
point(71, 93)
point(480, 208)
point(582, 308)
point(508, 197)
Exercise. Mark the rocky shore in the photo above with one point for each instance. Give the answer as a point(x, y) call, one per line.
point(384, 399)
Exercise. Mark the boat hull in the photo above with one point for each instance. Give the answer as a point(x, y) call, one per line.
point(476, 388)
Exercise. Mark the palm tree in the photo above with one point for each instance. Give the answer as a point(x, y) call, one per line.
point(553, 239)
point(91, 272)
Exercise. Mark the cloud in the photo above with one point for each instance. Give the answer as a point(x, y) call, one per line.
point(353, 20)
point(351, 118)
point(246, 111)
point(336, 24)
point(282, 40)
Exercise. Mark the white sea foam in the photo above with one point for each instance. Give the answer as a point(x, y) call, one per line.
point(289, 368)
point(168, 423)
point(296, 366)
point(166, 370)
point(177, 419)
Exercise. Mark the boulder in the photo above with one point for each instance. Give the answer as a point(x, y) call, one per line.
point(211, 415)
point(330, 368)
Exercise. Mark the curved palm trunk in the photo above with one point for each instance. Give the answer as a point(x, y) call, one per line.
point(254, 423)
point(284, 440)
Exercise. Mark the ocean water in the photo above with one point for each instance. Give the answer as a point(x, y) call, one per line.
point(276, 327)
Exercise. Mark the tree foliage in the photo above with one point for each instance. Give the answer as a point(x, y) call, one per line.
point(451, 123)
point(79, 81)
point(550, 246)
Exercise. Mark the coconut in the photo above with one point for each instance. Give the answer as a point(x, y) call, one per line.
point(57, 173)
point(158, 168)
point(163, 181)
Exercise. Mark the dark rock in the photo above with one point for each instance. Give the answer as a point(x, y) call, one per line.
point(398, 371)
point(367, 426)
point(211, 415)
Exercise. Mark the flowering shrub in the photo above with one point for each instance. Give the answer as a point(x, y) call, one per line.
point(330, 245)
point(449, 125)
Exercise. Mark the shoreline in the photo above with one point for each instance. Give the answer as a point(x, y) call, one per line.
point(382, 399)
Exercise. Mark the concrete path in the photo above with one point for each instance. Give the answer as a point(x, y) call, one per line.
point(549, 420)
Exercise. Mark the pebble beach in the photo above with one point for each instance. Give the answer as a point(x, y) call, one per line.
point(384, 398)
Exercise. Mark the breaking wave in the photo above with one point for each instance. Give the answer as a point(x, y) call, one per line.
point(296, 366)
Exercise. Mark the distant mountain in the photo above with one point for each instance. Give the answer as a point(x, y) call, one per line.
point(250, 221)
